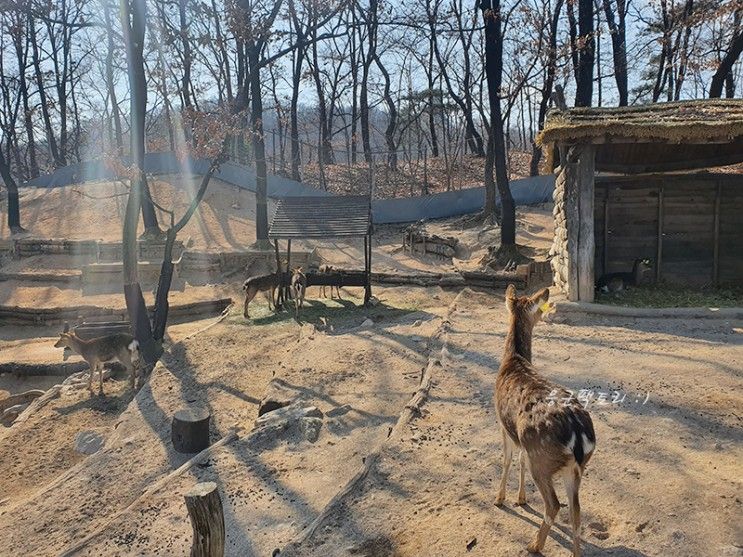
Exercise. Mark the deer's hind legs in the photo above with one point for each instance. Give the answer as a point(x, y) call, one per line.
point(522, 477)
point(507, 455)
point(551, 506)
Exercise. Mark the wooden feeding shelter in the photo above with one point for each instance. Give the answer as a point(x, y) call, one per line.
point(325, 217)
point(634, 183)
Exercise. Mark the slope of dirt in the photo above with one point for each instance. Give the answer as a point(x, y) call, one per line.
point(665, 479)
point(225, 221)
point(94, 210)
point(272, 488)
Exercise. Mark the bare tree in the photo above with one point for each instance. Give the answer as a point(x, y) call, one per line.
point(496, 154)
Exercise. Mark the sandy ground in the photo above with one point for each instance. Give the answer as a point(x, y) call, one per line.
point(665, 479)
point(94, 211)
point(225, 222)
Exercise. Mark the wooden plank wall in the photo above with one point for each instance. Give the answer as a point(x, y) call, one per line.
point(692, 222)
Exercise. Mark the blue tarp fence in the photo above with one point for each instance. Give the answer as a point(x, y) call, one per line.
point(526, 191)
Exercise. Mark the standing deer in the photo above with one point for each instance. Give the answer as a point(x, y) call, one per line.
point(326, 269)
point(550, 427)
point(96, 351)
point(298, 289)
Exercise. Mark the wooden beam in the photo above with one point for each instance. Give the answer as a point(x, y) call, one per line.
point(659, 249)
point(288, 266)
point(572, 219)
point(279, 295)
point(605, 261)
point(586, 221)
point(716, 256)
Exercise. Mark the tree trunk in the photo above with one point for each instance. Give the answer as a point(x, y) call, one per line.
point(186, 45)
point(617, 30)
point(259, 147)
point(389, 132)
point(494, 75)
point(132, 20)
point(43, 102)
point(548, 85)
point(586, 54)
point(21, 49)
point(14, 213)
point(432, 104)
point(726, 66)
point(207, 520)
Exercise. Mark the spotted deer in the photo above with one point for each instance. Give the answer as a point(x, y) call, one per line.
point(555, 437)
point(97, 351)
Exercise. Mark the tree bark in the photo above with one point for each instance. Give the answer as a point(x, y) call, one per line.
point(491, 12)
point(726, 66)
point(207, 520)
point(259, 147)
point(14, 213)
point(617, 29)
point(133, 13)
point(586, 54)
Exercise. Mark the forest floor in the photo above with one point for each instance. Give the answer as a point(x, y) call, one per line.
point(665, 479)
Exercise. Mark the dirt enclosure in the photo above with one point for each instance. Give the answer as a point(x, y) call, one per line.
point(371, 477)
point(665, 479)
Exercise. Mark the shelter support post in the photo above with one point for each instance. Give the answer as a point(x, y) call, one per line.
point(659, 241)
point(287, 295)
point(367, 269)
point(716, 254)
point(279, 294)
point(577, 247)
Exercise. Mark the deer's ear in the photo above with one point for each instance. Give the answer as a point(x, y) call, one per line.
point(66, 327)
point(510, 297)
point(542, 296)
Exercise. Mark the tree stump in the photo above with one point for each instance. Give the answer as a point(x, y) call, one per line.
point(207, 520)
point(190, 430)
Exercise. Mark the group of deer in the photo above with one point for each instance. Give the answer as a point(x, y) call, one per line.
point(270, 282)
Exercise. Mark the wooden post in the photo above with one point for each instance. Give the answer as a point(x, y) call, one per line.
point(659, 252)
point(190, 430)
point(716, 257)
point(279, 293)
point(605, 261)
point(367, 261)
point(288, 266)
point(207, 520)
point(586, 237)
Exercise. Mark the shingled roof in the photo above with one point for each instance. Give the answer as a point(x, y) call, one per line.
point(698, 121)
point(322, 217)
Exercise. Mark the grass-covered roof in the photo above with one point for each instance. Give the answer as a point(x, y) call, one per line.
point(698, 121)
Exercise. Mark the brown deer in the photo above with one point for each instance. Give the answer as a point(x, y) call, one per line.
point(550, 427)
point(263, 283)
point(97, 351)
point(326, 269)
point(298, 289)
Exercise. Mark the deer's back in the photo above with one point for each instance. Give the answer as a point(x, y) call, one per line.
point(541, 416)
point(107, 348)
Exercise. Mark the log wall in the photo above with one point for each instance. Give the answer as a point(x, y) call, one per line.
point(690, 225)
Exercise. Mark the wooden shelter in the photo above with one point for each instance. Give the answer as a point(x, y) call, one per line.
point(325, 217)
point(630, 185)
